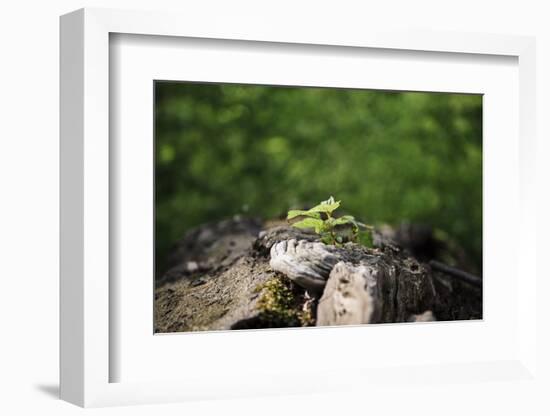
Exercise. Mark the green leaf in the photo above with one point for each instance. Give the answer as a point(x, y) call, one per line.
point(349, 219)
point(327, 206)
point(345, 219)
point(315, 223)
point(329, 222)
point(293, 213)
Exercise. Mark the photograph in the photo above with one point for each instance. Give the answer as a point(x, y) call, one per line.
point(218, 208)
point(303, 206)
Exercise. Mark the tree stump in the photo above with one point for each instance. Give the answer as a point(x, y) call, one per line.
point(252, 277)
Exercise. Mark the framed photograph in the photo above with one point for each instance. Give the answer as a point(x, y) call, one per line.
point(236, 207)
point(232, 159)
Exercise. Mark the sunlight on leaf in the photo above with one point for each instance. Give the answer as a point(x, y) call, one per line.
point(316, 224)
point(293, 213)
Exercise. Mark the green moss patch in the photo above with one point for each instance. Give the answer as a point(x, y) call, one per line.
point(281, 304)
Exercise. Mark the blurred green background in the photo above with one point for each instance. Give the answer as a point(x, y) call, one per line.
point(391, 157)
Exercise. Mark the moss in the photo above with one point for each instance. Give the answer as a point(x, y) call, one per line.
point(281, 304)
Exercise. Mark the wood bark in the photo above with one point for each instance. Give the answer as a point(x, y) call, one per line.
point(239, 274)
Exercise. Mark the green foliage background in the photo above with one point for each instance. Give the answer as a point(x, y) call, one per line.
point(389, 156)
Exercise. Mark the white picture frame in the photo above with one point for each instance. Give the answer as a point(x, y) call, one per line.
point(86, 349)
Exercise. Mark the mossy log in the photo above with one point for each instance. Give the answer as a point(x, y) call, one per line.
point(246, 276)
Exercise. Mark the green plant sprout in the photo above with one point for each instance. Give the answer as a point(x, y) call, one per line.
point(333, 230)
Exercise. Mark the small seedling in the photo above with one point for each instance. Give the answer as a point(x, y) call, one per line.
point(334, 231)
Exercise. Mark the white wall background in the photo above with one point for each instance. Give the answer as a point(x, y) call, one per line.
point(29, 200)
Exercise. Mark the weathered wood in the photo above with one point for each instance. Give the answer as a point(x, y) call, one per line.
point(212, 301)
point(392, 290)
point(234, 287)
point(362, 285)
point(457, 273)
point(306, 263)
point(270, 236)
point(210, 247)
point(350, 296)
point(283, 276)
